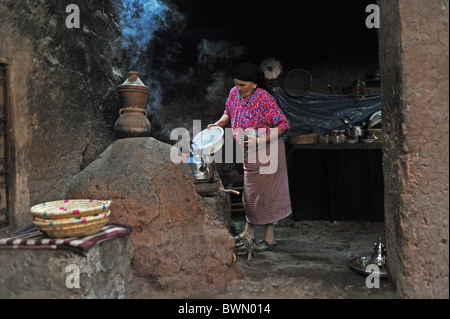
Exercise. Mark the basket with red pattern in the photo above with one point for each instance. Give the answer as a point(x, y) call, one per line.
point(69, 218)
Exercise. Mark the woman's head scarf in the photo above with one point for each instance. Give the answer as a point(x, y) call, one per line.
point(247, 72)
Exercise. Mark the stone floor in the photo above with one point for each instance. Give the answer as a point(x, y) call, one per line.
point(310, 261)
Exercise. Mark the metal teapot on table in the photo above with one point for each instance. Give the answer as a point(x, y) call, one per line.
point(357, 132)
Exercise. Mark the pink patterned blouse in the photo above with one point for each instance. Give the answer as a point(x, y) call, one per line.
point(259, 111)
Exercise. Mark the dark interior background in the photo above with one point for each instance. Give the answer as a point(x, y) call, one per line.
point(186, 54)
point(294, 31)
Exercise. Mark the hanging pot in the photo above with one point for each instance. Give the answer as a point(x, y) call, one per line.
point(298, 82)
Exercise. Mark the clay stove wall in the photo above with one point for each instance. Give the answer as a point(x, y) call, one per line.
point(61, 84)
point(414, 64)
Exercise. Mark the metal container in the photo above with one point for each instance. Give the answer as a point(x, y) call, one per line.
point(202, 168)
point(357, 133)
point(338, 136)
point(378, 259)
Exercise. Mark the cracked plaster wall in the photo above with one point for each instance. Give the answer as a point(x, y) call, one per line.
point(415, 99)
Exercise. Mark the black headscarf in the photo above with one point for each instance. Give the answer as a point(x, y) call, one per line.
point(247, 72)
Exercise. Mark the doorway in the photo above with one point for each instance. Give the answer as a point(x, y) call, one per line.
point(4, 146)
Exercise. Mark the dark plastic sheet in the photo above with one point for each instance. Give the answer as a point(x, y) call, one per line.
point(320, 113)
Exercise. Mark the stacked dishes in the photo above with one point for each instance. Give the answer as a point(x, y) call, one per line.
point(70, 218)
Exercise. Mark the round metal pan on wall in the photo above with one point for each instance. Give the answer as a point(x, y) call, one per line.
point(298, 82)
point(271, 68)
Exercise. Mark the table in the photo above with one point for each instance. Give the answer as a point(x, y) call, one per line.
point(336, 181)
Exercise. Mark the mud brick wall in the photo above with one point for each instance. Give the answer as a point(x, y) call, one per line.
point(62, 91)
point(415, 97)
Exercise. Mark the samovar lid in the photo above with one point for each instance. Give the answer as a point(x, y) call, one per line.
point(133, 82)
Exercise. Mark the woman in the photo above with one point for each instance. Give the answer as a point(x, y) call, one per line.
point(266, 193)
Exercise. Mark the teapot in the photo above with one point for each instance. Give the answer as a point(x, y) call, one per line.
point(357, 132)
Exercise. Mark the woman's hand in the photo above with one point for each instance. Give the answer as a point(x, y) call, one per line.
point(224, 121)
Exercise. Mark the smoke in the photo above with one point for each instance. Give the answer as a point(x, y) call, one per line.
point(209, 52)
point(212, 55)
point(151, 33)
point(141, 22)
point(221, 83)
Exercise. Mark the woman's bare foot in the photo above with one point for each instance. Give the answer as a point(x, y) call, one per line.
point(244, 235)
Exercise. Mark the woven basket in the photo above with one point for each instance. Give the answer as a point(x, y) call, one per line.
point(304, 139)
point(40, 223)
point(75, 230)
point(376, 133)
point(64, 209)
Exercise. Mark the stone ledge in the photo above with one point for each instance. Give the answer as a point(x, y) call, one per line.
point(104, 272)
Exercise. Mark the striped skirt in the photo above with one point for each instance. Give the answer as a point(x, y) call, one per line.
point(266, 189)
